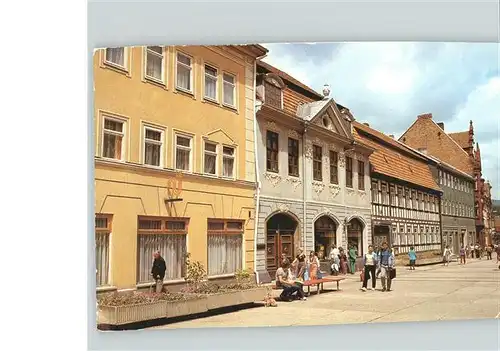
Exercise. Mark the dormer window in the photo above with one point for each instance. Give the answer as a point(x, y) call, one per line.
point(273, 90)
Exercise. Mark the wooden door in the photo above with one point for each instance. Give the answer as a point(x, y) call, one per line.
point(278, 244)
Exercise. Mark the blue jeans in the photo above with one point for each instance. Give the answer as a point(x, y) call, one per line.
point(288, 291)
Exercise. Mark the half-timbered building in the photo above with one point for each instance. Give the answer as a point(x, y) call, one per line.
point(405, 195)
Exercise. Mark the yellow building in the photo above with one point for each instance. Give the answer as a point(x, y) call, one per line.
point(174, 160)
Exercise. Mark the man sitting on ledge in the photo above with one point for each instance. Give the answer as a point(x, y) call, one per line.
point(289, 286)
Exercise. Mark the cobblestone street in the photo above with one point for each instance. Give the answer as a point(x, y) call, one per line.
point(427, 294)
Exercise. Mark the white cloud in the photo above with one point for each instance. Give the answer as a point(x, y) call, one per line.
point(389, 84)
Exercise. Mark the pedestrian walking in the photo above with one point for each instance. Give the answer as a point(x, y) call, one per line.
point(446, 256)
point(352, 259)
point(386, 265)
point(462, 255)
point(369, 264)
point(335, 260)
point(158, 271)
point(489, 251)
point(412, 255)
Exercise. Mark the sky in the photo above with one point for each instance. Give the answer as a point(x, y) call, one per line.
point(388, 84)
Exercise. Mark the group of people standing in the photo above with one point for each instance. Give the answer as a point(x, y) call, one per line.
point(342, 262)
point(378, 262)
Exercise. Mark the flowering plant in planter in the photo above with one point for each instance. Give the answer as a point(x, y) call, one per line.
point(137, 298)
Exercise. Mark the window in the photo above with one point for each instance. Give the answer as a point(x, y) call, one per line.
point(115, 56)
point(392, 194)
point(409, 200)
point(229, 89)
point(401, 197)
point(385, 194)
point(334, 167)
point(317, 154)
point(184, 72)
point(293, 157)
point(426, 202)
point(421, 201)
point(375, 197)
point(167, 235)
point(440, 177)
point(153, 145)
point(361, 175)
point(348, 172)
point(415, 200)
point(112, 145)
point(211, 83)
point(154, 63)
point(225, 246)
point(272, 152)
point(228, 162)
point(210, 159)
point(183, 153)
point(273, 95)
point(102, 237)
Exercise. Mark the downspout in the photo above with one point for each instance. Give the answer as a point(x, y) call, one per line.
point(304, 207)
point(257, 170)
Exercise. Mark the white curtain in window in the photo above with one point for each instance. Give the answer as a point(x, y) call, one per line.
point(102, 258)
point(173, 250)
point(183, 76)
point(210, 87)
point(182, 159)
point(228, 165)
point(210, 163)
point(225, 253)
point(116, 56)
point(152, 154)
point(154, 65)
point(229, 94)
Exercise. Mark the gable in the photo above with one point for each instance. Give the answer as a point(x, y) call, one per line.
point(220, 136)
point(424, 133)
point(325, 115)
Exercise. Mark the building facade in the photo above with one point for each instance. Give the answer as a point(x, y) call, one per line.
point(406, 199)
point(313, 176)
point(457, 206)
point(174, 160)
point(457, 150)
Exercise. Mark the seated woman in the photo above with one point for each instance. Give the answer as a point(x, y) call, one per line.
point(289, 286)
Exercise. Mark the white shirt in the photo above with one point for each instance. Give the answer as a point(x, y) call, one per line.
point(369, 259)
point(334, 253)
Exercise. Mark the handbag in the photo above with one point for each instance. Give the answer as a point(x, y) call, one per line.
point(362, 276)
point(392, 273)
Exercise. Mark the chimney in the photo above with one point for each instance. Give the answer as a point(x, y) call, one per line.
point(441, 125)
point(425, 115)
point(391, 136)
point(366, 124)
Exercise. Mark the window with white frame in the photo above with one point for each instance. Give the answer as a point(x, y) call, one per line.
point(225, 246)
point(229, 89)
point(116, 56)
point(102, 240)
point(211, 83)
point(228, 162)
point(113, 137)
point(210, 158)
point(166, 235)
point(153, 146)
point(183, 148)
point(184, 72)
point(155, 63)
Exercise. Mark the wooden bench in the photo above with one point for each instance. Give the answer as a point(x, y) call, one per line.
point(319, 283)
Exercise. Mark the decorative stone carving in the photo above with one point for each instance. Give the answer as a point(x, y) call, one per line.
point(325, 211)
point(350, 191)
point(341, 160)
point(334, 147)
point(293, 134)
point(309, 151)
point(294, 181)
point(283, 208)
point(326, 162)
point(362, 194)
point(273, 178)
point(272, 127)
point(318, 141)
point(318, 187)
point(334, 190)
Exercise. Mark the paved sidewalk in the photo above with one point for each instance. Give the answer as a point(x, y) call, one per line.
point(429, 293)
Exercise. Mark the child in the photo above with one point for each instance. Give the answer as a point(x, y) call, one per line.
point(462, 255)
point(413, 258)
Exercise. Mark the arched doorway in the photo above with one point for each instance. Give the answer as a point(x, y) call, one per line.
point(355, 235)
point(280, 230)
point(325, 235)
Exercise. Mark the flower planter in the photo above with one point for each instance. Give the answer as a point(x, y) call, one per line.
point(187, 307)
point(235, 298)
point(118, 315)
